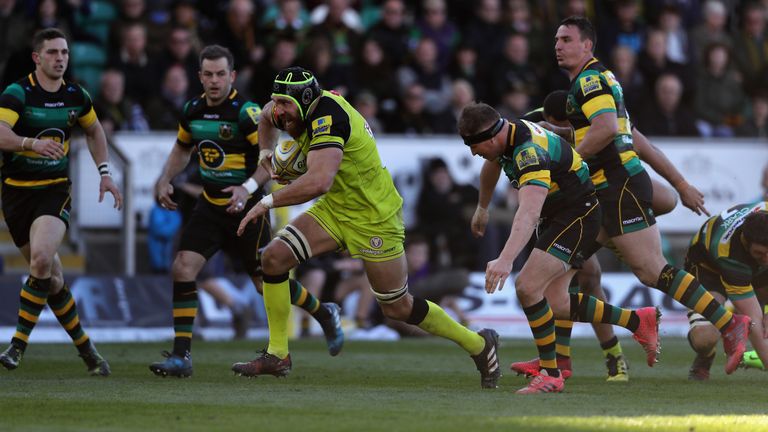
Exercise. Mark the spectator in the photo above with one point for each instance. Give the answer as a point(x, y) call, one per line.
point(14, 43)
point(239, 35)
point(711, 30)
point(179, 52)
point(678, 48)
point(330, 75)
point(375, 74)
point(750, 48)
point(134, 62)
point(515, 101)
point(655, 62)
point(485, 34)
point(719, 97)
point(625, 28)
point(340, 26)
point(185, 14)
point(519, 20)
point(367, 106)
point(464, 65)
point(165, 109)
point(462, 94)
point(287, 18)
point(392, 32)
point(424, 69)
point(412, 117)
point(624, 68)
point(132, 12)
point(282, 55)
point(116, 111)
point(665, 116)
point(435, 25)
point(756, 125)
point(514, 70)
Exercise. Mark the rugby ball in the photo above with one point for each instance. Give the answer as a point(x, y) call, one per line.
point(288, 161)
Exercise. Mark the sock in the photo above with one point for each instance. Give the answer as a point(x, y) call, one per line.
point(612, 347)
point(684, 288)
point(589, 309)
point(433, 319)
point(32, 300)
point(563, 330)
point(184, 311)
point(542, 323)
point(65, 309)
point(277, 302)
point(304, 299)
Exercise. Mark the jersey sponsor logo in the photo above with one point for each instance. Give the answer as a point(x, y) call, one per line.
point(71, 117)
point(322, 125)
point(55, 134)
point(254, 113)
point(590, 84)
point(527, 157)
point(376, 242)
point(211, 155)
point(225, 131)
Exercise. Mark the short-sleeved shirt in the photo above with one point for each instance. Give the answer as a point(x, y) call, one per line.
point(226, 139)
point(719, 247)
point(363, 190)
point(595, 91)
point(536, 156)
point(34, 112)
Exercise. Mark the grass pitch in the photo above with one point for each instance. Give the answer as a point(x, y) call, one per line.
point(411, 385)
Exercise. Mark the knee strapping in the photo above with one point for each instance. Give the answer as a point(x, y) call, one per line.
point(296, 242)
point(392, 296)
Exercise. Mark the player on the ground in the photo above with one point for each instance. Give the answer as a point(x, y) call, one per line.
point(588, 278)
point(358, 209)
point(554, 185)
point(603, 136)
point(222, 126)
point(729, 255)
point(37, 114)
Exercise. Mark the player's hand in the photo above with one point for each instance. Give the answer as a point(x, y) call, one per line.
point(253, 214)
point(163, 192)
point(496, 274)
point(47, 147)
point(693, 199)
point(279, 179)
point(479, 222)
point(108, 185)
point(265, 160)
point(238, 199)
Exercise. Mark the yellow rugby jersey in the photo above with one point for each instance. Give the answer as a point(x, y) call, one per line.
point(363, 189)
point(33, 112)
point(719, 247)
point(226, 140)
point(595, 91)
point(536, 156)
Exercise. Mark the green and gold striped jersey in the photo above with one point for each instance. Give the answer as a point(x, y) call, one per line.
point(720, 247)
point(595, 91)
point(33, 112)
point(226, 140)
point(363, 189)
point(536, 156)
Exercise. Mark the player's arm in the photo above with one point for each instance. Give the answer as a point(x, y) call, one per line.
point(97, 146)
point(268, 135)
point(603, 128)
point(11, 108)
point(322, 165)
point(248, 121)
point(596, 100)
point(653, 156)
point(489, 176)
point(176, 162)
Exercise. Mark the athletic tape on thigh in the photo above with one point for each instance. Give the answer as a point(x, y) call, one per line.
point(696, 320)
point(390, 297)
point(296, 242)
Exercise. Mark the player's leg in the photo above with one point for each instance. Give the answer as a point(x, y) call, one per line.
point(633, 231)
point(297, 242)
point(45, 235)
point(664, 199)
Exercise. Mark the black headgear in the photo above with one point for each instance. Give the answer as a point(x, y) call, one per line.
point(484, 135)
point(298, 85)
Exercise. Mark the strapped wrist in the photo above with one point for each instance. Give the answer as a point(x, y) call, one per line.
point(104, 169)
point(268, 201)
point(251, 185)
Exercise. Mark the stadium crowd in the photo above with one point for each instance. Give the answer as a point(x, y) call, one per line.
point(688, 67)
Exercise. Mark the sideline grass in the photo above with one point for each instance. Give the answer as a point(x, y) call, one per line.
point(419, 385)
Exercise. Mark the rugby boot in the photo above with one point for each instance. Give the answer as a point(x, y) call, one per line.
point(174, 365)
point(735, 341)
point(264, 364)
point(647, 333)
point(95, 363)
point(487, 361)
point(11, 357)
point(617, 368)
point(700, 368)
point(543, 383)
point(334, 335)
point(531, 367)
point(751, 360)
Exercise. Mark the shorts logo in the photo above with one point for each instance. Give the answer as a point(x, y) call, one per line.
point(527, 157)
point(322, 126)
point(211, 155)
point(562, 248)
point(590, 84)
point(71, 117)
point(376, 242)
point(225, 131)
point(632, 221)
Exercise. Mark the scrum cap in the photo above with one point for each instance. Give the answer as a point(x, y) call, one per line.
point(299, 85)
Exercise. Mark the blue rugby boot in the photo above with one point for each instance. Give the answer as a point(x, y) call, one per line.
point(11, 357)
point(334, 335)
point(173, 365)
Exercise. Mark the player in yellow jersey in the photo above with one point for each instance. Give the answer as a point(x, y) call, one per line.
point(602, 135)
point(358, 209)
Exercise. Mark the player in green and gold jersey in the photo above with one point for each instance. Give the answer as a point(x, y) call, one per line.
point(358, 209)
point(602, 134)
point(222, 126)
point(37, 115)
